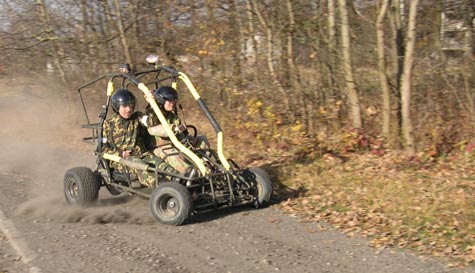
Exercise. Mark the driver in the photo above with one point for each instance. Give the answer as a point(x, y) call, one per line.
point(126, 137)
point(167, 99)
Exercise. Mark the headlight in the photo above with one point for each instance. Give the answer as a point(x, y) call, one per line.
point(152, 58)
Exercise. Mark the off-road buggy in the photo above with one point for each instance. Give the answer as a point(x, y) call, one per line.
point(217, 182)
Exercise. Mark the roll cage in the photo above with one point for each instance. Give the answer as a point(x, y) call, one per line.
point(155, 77)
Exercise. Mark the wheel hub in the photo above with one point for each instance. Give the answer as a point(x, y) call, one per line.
point(73, 189)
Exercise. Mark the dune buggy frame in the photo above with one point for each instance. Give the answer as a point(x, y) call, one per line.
point(218, 181)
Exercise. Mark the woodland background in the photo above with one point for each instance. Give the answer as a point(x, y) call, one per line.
point(363, 111)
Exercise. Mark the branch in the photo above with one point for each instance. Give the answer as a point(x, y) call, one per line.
point(357, 12)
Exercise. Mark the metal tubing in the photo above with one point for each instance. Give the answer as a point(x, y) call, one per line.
point(198, 162)
point(210, 117)
point(131, 190)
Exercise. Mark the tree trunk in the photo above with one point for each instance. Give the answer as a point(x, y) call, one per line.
point(331, 46)
point(236, 48)
point(134, 9)
point(106, 29)
point(91, 36)
point(56, 49)
point(470, 23)
point(253, 40)
point(270, 56)
point(293, 72)
point(123, 38)
point(406, 80)
point(355, 109)
point(468, 56)
point(397, 54)
point(386, 93)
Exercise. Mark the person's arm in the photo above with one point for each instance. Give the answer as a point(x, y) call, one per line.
point(157, 130)
point(160, 131)
point(106, 146)
point(142, 136)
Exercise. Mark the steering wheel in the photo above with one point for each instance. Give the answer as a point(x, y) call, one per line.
point(187, 136)
point(193, 128)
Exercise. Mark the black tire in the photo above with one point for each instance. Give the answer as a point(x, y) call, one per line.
point(171, 203)
point(113, 190)
point(81, 186)
point(263, 185)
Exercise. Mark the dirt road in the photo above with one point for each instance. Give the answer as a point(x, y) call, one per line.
point(40, 233)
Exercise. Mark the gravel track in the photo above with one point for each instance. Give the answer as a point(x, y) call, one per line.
point(39, 232)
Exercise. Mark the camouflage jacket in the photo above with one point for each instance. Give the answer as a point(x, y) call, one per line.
point(125, 134)
point(154, 125)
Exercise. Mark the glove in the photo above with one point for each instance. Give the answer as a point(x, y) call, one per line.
point(178, 129)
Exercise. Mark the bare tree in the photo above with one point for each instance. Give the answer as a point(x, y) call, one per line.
point(406, 80)
point(270, 55)
point(396, 18)
point(123, 37)
point(106, 27)
point(353, 98)
point(331, 44)
point(235, 28)
point(56, 48)
point(289, 55)
point(385, 88)
point(293, 71)
point(469, 21)
point(252, 37)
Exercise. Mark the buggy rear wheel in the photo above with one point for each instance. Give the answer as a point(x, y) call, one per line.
point(263, 185)
point(171, 203)
point(81, 186)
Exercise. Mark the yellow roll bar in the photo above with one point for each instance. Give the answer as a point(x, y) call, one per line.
point(219, 133)
point(110, 88)
point(171, 135)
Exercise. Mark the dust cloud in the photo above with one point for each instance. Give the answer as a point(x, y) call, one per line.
point(40, 138)
point(54, 209)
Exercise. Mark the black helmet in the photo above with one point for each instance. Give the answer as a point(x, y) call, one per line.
point(165, 93)
point(122, 97)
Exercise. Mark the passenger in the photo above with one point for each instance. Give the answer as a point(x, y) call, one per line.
point(167, 99)
point(126, 137)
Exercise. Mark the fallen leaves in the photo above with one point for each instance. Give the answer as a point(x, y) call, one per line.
point(352, 181)
point(391, 202)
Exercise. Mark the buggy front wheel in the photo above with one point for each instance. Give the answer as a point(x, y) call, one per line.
point(171, 203)
point(81, 186)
